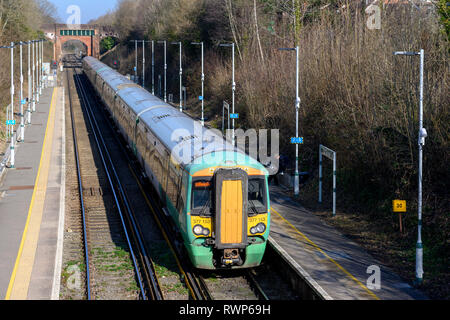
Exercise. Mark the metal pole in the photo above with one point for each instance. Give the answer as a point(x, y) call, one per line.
point(29, 84)
point(203, 89)
point(153, 67)
point(421, 143)
point(419, 246)
point(181, 80)
point(233, 88)
point(34, 76)
point(297, 107)
point(334, 184)
point(12, 163)
point(40, 66)
point(37, 72)
point(143, 63)
point(165, 71)
point(135, 61)
point(320, 173)
point(22, 120)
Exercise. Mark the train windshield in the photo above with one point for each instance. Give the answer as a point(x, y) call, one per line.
point(257, 198)
point(201, 198)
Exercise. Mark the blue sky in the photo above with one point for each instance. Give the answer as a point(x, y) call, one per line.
point(90, 9)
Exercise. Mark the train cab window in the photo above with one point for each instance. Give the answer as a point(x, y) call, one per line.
point(201, 198)
point(257, 197)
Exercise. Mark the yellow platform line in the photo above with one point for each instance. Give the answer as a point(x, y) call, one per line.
point(327, 256)
point(21, 275)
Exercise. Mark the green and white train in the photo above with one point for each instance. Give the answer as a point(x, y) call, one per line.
point(217, 196)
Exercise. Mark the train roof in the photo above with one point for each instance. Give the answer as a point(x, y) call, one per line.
point(188, 140)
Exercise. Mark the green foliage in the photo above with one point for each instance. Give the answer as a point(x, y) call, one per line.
point(107, 44)
point(443, 7)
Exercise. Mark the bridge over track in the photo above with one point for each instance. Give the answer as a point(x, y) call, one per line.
point(89, 34)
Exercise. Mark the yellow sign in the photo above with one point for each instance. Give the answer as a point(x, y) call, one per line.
point(206, 223)
point(399, 205)
point(254, 221)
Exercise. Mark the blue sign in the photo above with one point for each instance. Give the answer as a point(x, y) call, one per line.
point(200, 98)
point(10, 122)
point(134, 69)
point(24, 101)
point(297, 140)
point(234, 115)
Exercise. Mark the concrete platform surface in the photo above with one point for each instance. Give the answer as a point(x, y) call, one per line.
point(30, 205)
point(340, 267)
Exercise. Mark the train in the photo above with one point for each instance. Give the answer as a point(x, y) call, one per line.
point(216, 195)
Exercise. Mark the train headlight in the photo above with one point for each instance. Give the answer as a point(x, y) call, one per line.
point(206, 232)
point(198, 230)
point(261, 227)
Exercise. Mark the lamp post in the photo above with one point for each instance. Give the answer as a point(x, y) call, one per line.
point(181, 76)
point(233, 87)
point(33, 105)
point(40, 66)
point(153, 67)
point(22, 122)
point(29, 84)
point(297, 107)
point(165, 68)
point(37, 70)
point(421, 142)
point(136, 59)
point(10, 122)
point(203, 81)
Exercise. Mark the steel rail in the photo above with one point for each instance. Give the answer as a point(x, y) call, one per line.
point(149, 269)
point(80, 188)
point(195, 284)
point(120, 214)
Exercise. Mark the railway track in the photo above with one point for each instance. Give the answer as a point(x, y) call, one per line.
point(198, 286)
point(243, 284)
point(116, 262)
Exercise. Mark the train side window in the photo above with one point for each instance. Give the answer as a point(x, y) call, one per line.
point(173, 181)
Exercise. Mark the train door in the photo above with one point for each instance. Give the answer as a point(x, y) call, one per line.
point(231, 204)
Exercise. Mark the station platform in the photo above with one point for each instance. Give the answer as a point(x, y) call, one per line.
point(338, 268)
point(32, 206)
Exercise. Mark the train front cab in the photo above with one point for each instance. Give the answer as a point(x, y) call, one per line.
point(229, 219)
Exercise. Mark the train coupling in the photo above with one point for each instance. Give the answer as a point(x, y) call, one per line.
point(231, 257)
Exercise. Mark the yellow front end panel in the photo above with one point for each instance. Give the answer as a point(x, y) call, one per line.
point(231, 209)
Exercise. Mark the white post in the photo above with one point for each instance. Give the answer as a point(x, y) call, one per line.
point(12, 162)
point(135, 61)
point(40, 66)
point(22, 120)
point(30, 99)
point(165, 71)
point(181, 80)
point(37, 71)
point(422, 136)
point(334, 184)
point(320, 173)
point(421, 143)
point(297, 107)
point(233, 88)
point(34, 77)
point(203, 89)
point(153, 67)
point(143, 63)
